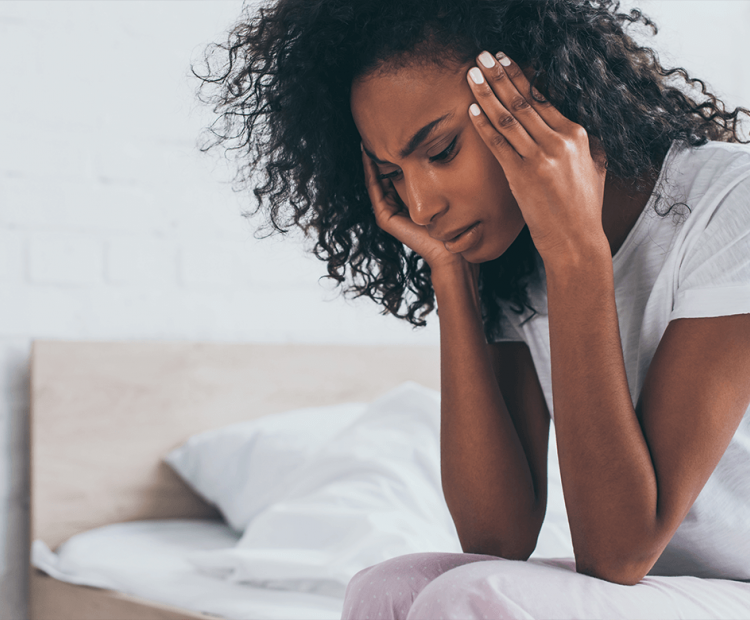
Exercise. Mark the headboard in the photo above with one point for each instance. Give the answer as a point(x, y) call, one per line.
point(104, 414)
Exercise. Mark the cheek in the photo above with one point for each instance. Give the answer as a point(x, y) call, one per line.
point(485, 180)
point(481, 168)
point(500, 212)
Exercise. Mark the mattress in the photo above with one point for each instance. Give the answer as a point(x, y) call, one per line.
point(149, 559)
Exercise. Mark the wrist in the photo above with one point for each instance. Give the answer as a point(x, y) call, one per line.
point(459, 278)
point(578, 258)
point(448, 274)
point(579, 273)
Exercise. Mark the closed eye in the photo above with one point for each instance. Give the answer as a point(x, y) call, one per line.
point(442, 156)
point(389, 175)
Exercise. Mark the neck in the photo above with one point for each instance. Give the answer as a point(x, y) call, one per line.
point(623, 204)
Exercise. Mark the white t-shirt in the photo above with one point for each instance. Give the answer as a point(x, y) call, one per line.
point(691, 263)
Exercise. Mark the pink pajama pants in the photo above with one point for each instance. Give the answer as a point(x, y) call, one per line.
point(463, 586)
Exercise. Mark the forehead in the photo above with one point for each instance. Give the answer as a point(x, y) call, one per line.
point(390, 106)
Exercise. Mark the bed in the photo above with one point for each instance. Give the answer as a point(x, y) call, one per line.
point(104, 415)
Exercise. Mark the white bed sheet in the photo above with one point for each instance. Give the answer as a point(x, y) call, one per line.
point(148, 559)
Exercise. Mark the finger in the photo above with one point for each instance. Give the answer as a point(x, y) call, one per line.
point(544, 109)
point(391, 215)
point(500, 117)
point(375, 190)
point(498, 78)
point(501, 148)
point(390, 212)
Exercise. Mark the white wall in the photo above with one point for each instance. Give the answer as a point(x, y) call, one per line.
point(112, 226)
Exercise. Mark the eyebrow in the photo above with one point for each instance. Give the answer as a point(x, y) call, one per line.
point(415, 140)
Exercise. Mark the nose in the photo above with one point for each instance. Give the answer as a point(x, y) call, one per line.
point(423, 199)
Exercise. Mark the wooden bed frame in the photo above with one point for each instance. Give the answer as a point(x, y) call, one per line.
point(104, 414)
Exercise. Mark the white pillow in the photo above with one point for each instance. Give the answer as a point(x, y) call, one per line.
point(323, 492)
point(244, 468)
point(372, 493)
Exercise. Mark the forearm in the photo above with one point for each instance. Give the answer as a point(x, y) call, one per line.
point(608, 476)
point(486, 476)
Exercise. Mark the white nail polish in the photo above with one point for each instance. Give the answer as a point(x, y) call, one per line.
point(487, 60)
point(504, 61)
point(476, 75)
point(474, 109)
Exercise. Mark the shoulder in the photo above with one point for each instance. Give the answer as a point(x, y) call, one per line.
point(709, 185)
point(714, 165)
point(711, 153)
point(711, 263)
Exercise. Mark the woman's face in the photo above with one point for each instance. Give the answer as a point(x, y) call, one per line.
point(414, 123)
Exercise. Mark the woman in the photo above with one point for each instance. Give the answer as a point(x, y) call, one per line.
point(514, 162)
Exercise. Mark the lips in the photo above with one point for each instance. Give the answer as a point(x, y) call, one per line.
point(466, 240)
point(452, 236)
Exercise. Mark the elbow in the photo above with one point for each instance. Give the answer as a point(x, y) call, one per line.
point(517, 547)
point(500, 550)
point(619, 570)
point(509, 536)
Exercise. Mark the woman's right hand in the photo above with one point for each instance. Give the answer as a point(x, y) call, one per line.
point(392, 216)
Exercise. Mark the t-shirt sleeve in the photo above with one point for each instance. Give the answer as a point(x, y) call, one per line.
point(714, 276)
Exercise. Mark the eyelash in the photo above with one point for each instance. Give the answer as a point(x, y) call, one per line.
point(442, 156)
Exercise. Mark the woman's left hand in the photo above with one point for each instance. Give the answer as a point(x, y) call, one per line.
point(546, 158)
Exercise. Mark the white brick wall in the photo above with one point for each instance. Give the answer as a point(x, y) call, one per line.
point(141, 262)
point(113, 226)
point(72, 259)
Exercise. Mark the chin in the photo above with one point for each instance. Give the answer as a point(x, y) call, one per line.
point(477, 257)
point(476, 260)
point(486, 252)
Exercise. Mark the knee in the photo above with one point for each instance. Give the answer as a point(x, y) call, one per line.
point(386, 590)
point(482, 591)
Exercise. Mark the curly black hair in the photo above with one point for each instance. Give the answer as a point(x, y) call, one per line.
point(281, 83)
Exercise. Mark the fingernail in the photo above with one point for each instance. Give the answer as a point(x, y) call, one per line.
point(487, 60)
point(476, 75)
point(502, 59)
point(474, 109)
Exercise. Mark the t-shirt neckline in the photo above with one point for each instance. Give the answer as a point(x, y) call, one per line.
point(636, 234)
